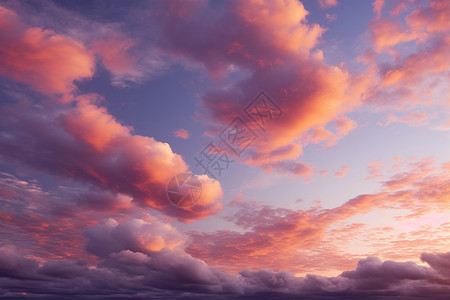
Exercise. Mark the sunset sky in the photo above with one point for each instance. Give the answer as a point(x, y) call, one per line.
point(241, 149)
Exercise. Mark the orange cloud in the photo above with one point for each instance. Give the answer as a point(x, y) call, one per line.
point(47, 61)
point(78, 138)
point(387, 33)
point(308, 236)
point(375, 169)
point(91, 146)
point(327, 3)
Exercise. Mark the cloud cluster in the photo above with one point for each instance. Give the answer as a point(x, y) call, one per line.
point(72, 135)
point(271, 45)
point(410, 55)
point(143, 260)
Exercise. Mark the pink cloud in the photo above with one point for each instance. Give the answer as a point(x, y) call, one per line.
point(182, 133)
point(375, 169)
point(331, 17)
point(344, 125)
point(277, 63)
point(174, 272)
point(47, 61)
point(378, 7)
point(152, 251)
point(419, 191)
point(342, 172)
point(324, 172)
point(327, 3)
point(415, 118)
point(411, 70)
point(291, 167)
point(79, 139)
point(91, 146)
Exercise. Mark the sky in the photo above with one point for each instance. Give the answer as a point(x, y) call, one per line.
point(218, 149)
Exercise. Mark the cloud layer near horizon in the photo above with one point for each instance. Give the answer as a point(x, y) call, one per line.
point(137, 263)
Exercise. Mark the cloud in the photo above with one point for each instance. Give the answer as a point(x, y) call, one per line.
point(378, 7)
point(89, 145)
point(290, 167)
point(47, 61)
point(12, 264)
point(136, 253)
point(344, 125)
point(438, 261)
point(77, 138)
point(432, 18)
point(104, 169)
point(171, 274)
point(331, 17)
point(408, 59)
point(327, 3)
point(324, 172)
point(415, 118)
point(373, 274)
point(134, 235)
point(375, 169)
point(417, 192)
point(182, 133)
point(387, 33)
point(342, 172)
point(120, 56)
point(271, 45)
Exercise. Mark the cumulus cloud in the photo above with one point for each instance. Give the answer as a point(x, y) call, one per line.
point(273, 49)
point(342, 172)
point(409, 79)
